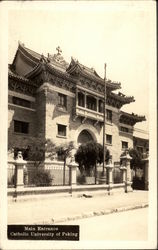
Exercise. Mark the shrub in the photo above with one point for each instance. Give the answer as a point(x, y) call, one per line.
point(41, 177)
point(81, 179)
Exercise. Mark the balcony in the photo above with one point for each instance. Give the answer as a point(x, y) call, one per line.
point(88, 113)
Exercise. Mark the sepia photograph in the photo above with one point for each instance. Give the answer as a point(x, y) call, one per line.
point(80, 125)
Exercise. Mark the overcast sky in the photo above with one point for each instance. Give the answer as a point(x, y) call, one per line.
point(94, 34)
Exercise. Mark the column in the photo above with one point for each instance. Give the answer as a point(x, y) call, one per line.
point(146, 173)
point(109, 168)
point(20, 164)
point(85, 100)
point(72, 169)
point(76, 96)
point(124, 169)
point(97, 104)
point(126, 163)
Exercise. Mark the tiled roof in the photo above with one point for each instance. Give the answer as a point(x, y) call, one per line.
point(133, 116)
point(123, 98)
point(16, 76)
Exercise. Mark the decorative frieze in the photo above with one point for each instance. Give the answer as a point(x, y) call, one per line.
point(21, 87)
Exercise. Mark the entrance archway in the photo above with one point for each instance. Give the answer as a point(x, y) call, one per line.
point(84, 137)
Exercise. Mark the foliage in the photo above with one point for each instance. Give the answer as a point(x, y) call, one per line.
point(138, 184)
point(41, 177)
point(88, 155)
point(65, 150)
point(81, 179)
point(136, 160)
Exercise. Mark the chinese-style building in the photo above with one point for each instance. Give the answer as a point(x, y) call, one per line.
point(49, 98)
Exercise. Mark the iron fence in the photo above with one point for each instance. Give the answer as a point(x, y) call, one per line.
point(11, 175)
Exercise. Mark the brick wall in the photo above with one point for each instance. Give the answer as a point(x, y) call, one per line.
point(17, 139)
point(43, 123)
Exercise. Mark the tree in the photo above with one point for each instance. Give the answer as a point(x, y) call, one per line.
point(65, 151)
point(88, 155)
point(136, 160)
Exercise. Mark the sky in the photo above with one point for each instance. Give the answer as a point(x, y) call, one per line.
point(118, 35)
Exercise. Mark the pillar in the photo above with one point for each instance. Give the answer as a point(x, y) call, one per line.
point(20, 164)
point(97, 103)
point(85, 100)
point(126, 163)
point(146, 173)
point(72, 168)
point(124, 169)
point(76, 97)
point(109, 168)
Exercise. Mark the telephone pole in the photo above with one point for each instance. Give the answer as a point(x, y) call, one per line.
point(104, 119)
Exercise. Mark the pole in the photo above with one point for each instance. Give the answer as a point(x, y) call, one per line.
point(104, 119)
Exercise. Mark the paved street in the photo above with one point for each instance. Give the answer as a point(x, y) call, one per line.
point(129, 225)
point(53, 209)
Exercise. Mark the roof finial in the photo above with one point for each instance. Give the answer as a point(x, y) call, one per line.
point(59, 50)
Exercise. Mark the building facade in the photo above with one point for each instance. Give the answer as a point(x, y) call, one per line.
point(49, 98)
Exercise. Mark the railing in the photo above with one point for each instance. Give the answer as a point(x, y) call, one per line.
point(81, 111)
point(117, 175)
point(52, 174)
point(11, 174)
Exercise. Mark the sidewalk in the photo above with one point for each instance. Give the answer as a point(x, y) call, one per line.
point(60, 209)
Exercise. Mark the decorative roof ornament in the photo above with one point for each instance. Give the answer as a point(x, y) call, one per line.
point(42, 59)
point(59, 50)
point(57, 58)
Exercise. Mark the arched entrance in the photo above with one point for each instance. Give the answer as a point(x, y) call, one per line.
point(84, 137)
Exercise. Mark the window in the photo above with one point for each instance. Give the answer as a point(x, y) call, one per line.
point(61, 130)
point(109, 139)
point(62, 101)
point(124, 129)
point(109, 115)
point(21, 127)
point(91, 103)
point(21, 102)
point(81, 99)
point(124, 144)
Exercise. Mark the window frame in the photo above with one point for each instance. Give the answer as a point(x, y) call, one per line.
point(107, 141)
point(124, 129)
point(19, 127)
point(124, 148)
point(108, 111)
point(65, 132)
point(21, 102)
point(62, 101)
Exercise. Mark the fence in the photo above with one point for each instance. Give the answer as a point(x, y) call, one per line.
point(11, 174)
point(54, 174)
point(117, 173)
